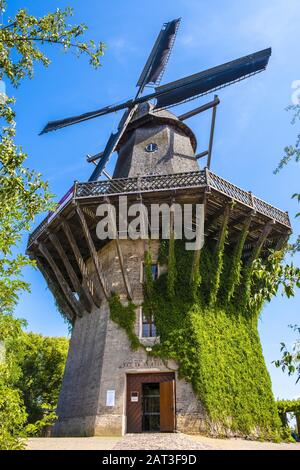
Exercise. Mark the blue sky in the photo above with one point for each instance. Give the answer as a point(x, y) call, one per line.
point(252, 125)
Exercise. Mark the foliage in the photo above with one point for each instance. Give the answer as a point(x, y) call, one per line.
point(124, 316)
point(23, 195)
point(21, 39)
point(148, 278)
point(291, 151)
point(234, 275)
point(171, 268)
point(290, 360)
point(31, 370)
point(284, 407)
point(12, 418)
point(217, 261)
point(270, 275)
point(214, 339)
point(42, 362)
point(12, 410)
point(288, 406)
point(217, 346)
point(38, 427)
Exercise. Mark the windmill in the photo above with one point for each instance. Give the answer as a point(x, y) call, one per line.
point(171, 94)
point(107, 382)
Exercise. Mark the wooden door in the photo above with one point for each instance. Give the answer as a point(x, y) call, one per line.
point(167, 406)
point(134, 409)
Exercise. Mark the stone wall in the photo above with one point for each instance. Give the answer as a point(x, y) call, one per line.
point(100, 357)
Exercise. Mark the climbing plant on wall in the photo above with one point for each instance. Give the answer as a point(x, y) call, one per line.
point(208, 324)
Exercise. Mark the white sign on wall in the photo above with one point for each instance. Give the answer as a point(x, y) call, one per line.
point(134, 396)
point(110, 397)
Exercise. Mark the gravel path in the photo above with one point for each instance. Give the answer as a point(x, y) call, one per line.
point(149, 441)
point(157, 441)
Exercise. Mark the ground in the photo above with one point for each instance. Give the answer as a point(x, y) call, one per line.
point(153, 441)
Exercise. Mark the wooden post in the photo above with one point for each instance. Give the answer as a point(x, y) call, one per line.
point(120, 254)
point(224, 224)
point(214, 217)
point(53, 285)
point(93, 252)
point(260, 242)
point(87, 301)
point(87, 283)
point(196, 258)
point(281, 242)
point(75, 304)
point(211, 137)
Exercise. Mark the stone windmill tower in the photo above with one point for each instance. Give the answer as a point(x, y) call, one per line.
point(109, 386)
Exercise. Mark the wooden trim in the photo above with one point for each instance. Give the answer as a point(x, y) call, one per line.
point(93, 252)
point(120, 254)
point(75, 304)
point(172, 214)
point(260, 242)
point(242, 219)
point(214, 217)
point(224, 224)
point(281, 242)
point(87, 283)
point(246, 221)
point(68, 310)
point(87, 302)
point(196, 257)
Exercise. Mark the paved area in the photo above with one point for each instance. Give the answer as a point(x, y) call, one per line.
point(157, 441)
point(149, 441)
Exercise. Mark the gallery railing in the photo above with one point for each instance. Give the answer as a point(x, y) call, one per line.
point(152, 183)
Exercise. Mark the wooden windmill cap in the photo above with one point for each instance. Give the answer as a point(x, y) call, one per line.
point(146, 114)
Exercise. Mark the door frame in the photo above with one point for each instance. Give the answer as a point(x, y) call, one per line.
point(165, 376)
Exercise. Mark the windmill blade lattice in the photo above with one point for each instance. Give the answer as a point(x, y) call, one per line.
point(156, 63)
point(172, 93)
point(211, 79)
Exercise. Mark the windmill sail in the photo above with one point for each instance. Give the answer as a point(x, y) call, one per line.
point(60, 123)
point(212, 79)
point(112, 144)
point(159, 56)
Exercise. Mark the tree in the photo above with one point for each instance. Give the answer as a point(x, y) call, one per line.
point(12, 419)
point(42, 362)
point(23, 193)
point(290, 360)
point(13, 414)
point(30, 379)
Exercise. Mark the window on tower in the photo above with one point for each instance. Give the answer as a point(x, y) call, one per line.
point(151, 147)
point(154, 272)
point(148, 326)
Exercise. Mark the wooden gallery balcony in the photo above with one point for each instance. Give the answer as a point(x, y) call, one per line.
point(66, 238)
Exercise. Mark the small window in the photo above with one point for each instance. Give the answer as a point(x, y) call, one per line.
point(154, 271)
point(148, 326)
point(151, 147)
